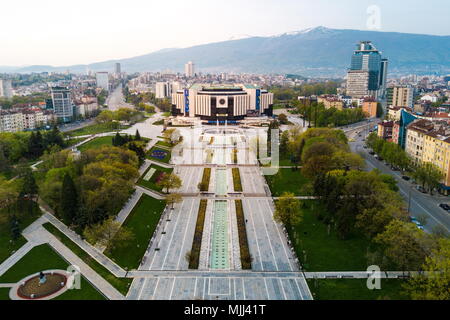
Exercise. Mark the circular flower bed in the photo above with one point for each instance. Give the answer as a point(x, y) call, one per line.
point(31, 289)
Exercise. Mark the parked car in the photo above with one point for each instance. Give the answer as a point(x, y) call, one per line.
point(416, 222)
point(421, 189)
point(445, 206)
point(406, 178)
point(372, 153)
point(380, 158)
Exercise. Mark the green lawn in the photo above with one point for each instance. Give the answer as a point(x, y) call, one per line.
point(355, 289)
point(96, 143)
point(121, 284)
point(164, 144)
point(96, 128)
point(142, 222)
point(41, 258)
point(166, 158)
point(287, 180)
point(8, 246)
point(72, 141)
point(326, 252)
point(151, 184)
point(4, 294)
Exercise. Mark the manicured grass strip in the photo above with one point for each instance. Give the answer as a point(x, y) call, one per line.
point(164, 144)
point(204, 187)
point(96, 143)
point(356, 289)
point(319, 247)
point(236, 180)
point(246, 259)
point(152, 182)
point(287, 180)
point(159, 122)
point(194, 257)
point(27, 213)
point(234, 155)
point(42, 258)
point(142, 222)
point(121, 284)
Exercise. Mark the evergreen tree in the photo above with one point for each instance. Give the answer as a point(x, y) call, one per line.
point(29, 185)
point(69, 200)
point(137, 136)
point(14, 227)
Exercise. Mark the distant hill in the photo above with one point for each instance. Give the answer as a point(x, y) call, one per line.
point(311, 52)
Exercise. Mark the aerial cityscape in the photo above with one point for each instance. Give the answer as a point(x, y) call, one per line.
point(293, 165)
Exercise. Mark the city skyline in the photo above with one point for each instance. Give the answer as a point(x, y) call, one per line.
point(115, 32)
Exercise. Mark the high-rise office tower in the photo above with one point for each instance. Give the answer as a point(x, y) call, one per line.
point(102, 80)
point(366, 58)
point(118, 69)
point(62, 103)
point(6, 88)
point(189, 69)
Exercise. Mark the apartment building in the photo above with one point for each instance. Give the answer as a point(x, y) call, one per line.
point(331, 101)
point(369, 107)
point(385, 130)
point(16, 120)
point(415, 136)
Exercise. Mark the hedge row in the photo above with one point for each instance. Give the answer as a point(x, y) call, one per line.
point(234, 155)
point(236, 180)
point(194, 257)
point(204, 185)
point(246, 258)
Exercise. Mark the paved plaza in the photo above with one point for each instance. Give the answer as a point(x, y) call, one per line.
point(219, 275)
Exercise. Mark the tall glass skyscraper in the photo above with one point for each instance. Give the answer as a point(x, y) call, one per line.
point(367, 58)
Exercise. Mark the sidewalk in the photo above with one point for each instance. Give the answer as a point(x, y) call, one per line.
point(88, 248)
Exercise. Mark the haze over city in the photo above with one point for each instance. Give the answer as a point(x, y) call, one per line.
point(59, 33)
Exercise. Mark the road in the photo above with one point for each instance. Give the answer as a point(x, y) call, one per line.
point(116, 100)
point(75, 125)
point(420, 204)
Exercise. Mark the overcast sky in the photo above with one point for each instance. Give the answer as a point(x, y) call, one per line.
point(67, 32)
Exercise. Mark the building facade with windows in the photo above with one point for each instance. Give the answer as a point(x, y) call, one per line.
point(62, 103)
point(222, 103)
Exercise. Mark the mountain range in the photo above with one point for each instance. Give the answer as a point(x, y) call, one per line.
point(316, 51)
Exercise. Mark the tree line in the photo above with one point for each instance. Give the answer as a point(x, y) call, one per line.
point(367, 204)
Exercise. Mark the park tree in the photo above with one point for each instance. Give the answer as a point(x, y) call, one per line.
point(69, 200)
point(435, 284)
point(29, 188)
point(287, 210)
point(8, 193)
point(105, 116)
point(137, 136)
point(109, 234)
point(170, 181)
point(173, 198)
point(282, 118)
point(284, 143)
point(403, 244)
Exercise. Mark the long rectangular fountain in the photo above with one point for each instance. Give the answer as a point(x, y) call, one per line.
point(221, 182)
point(219, 250)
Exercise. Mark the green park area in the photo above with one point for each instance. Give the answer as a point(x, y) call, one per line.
point(25, 216)
point(121, 284)
point(287, 180)
point(152, 182)
point(164, 144)
point(96, 128)
point(355, 289)
point(96, 143)
point(159, 154)
point(42, 258)
point(142, 222)
point(319, 247)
